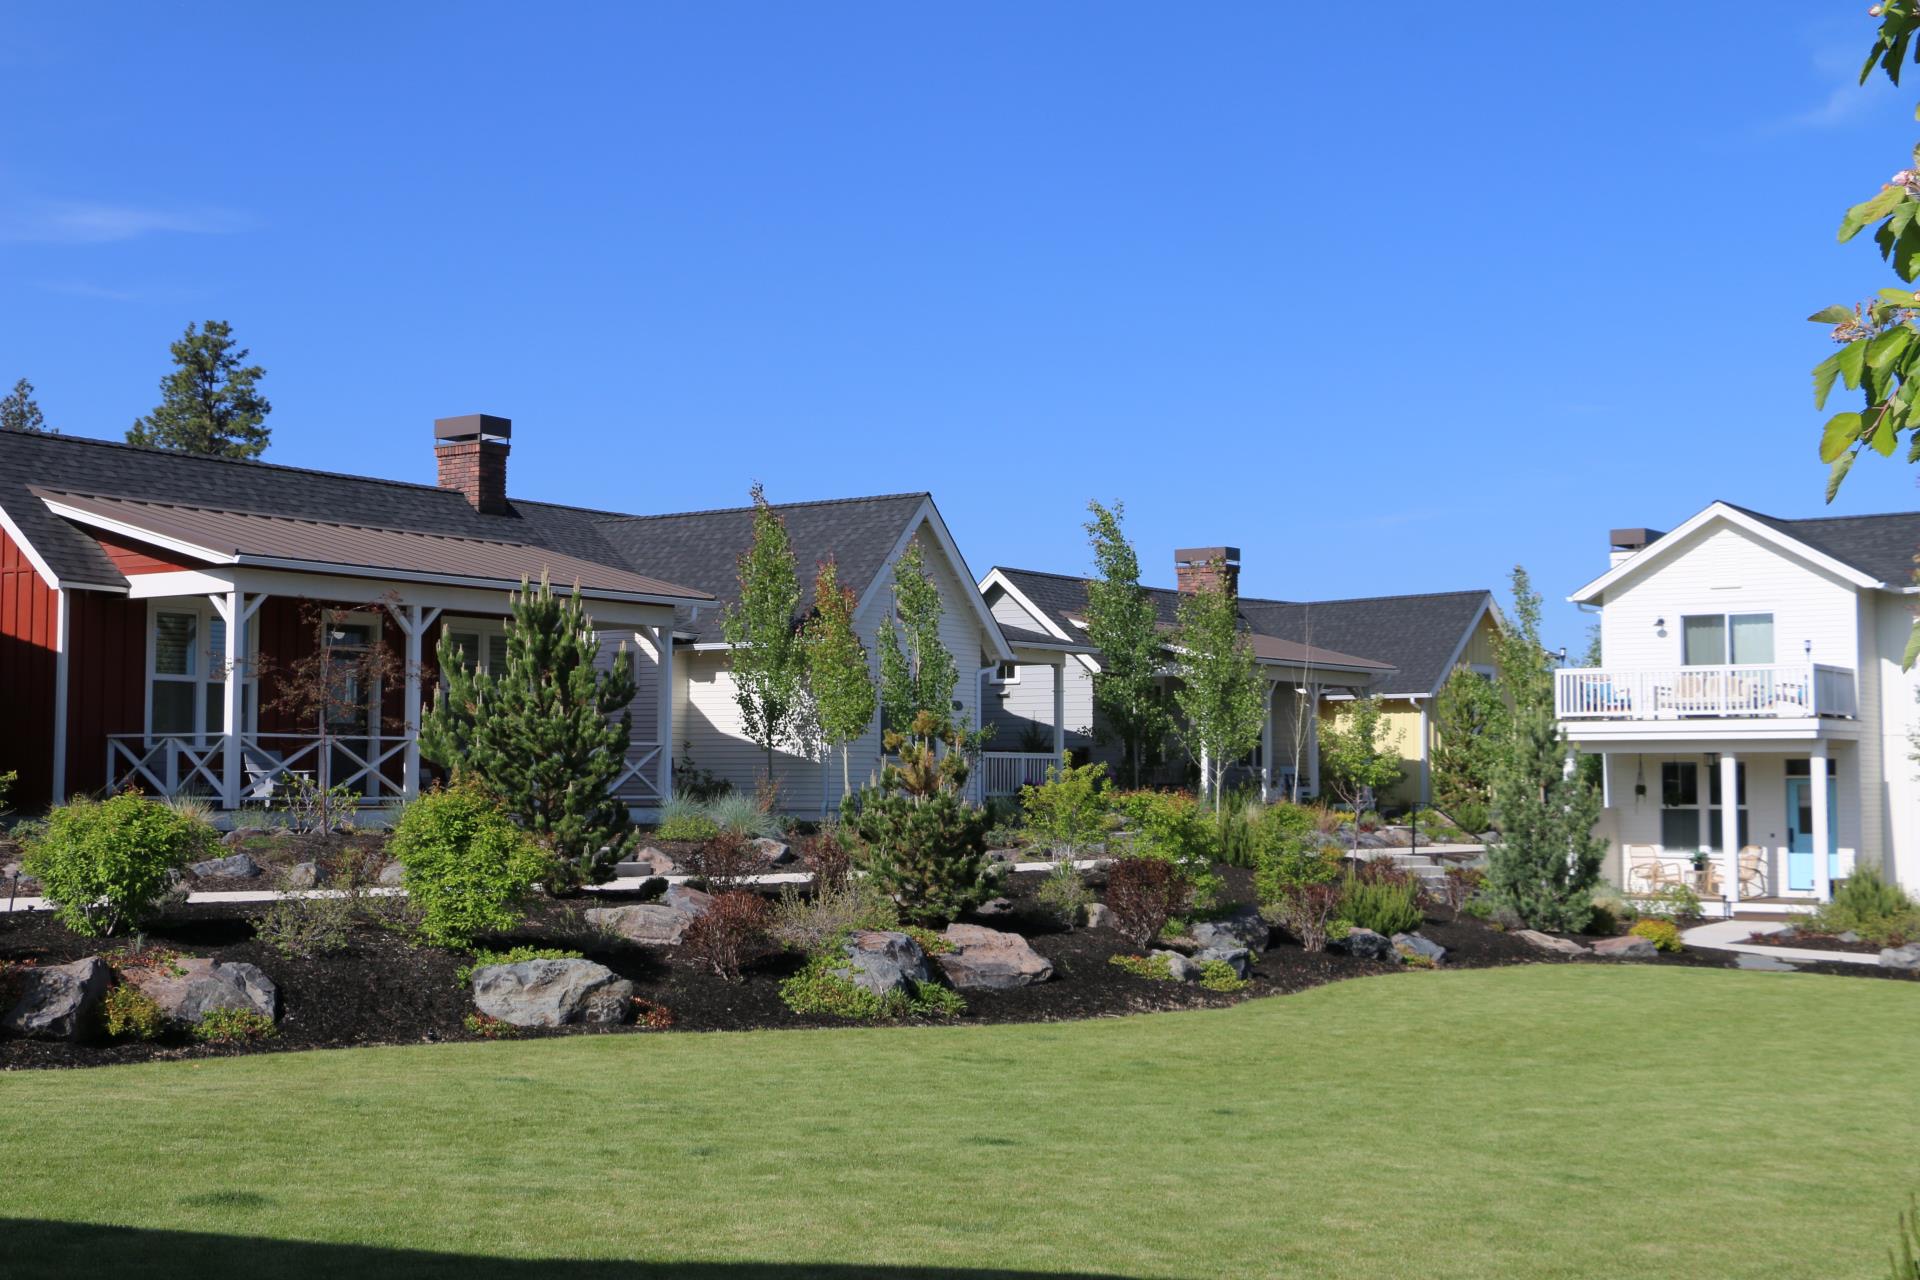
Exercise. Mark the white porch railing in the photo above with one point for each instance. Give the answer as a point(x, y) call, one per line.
point(1003, 773)
point(1792, 690)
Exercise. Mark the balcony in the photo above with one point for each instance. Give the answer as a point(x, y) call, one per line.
point(1786, 691)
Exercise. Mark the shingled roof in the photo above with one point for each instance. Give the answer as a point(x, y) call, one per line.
point(1880, 546)
point(1415, 635)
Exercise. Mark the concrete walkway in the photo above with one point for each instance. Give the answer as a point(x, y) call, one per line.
point(1731, 935)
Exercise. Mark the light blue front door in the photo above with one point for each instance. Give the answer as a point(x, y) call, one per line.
point(1800, 833)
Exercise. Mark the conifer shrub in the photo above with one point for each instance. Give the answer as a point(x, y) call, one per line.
point(922, 844)
point(1385, 904)
point(105, 864)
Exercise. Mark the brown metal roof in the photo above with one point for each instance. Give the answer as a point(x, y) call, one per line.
point(317, 545)
point(1273, 649)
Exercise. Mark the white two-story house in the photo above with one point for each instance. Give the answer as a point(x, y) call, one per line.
point(1751, 709)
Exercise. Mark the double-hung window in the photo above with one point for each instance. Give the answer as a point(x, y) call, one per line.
point(482, 644)
point(186, 673)
point(1727, 639)
point(1686, 825)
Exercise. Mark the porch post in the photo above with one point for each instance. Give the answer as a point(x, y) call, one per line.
point(1266, 744)
point(1730, 827)
point(1822, 822)
point(1313, 740)
point(234, 611)
point(663, 708)
point(413, 621)
point(1060, 709)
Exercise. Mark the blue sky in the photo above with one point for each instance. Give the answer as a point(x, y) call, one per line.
point(1388, 301)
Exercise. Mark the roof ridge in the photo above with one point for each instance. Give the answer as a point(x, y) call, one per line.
point(314, 520)
point(777, 506)
point(1407, 595)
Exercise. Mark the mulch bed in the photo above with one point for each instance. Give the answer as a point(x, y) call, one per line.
point(1813, 942)
point(385, 990)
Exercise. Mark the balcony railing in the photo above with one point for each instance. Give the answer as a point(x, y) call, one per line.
point(1786, 690)
point(1003, 773)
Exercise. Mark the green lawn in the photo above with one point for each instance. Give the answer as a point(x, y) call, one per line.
point(1532, 1122)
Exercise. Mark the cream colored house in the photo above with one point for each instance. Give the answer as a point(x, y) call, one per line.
point(1750, 708)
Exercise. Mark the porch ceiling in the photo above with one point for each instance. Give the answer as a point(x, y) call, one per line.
point(1708, 735)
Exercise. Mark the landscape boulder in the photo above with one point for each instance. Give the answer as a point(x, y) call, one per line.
point(1626, 947)
point(648, 862)
point(1182, 969)
point(234, 866)
point(774, 853)
point(995, 907)
point(654, 924)
point(1365, 944)
point(1907, 957)
point(305, 875)
point(986, 959)
point(392, 874)
point(1236, 957)
point(883, 962)
point(685, 898)
point(1396, 837)
point(59, 1001)
point(1246, 927)
point(1099, 916)
point(1095, 872)
point(188, 986)
point(235, 838)
point(1547, 942)
point(1412, 944)
point(553, 993)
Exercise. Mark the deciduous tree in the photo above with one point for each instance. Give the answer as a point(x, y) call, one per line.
point(839, 676)
point(1220, 694)
point(1353, 763)
point(766, 653)
point(1122, 624)
point(917, 672)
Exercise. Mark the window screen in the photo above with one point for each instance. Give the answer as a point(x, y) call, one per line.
point(173, 644)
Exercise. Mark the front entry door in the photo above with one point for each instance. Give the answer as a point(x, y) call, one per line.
point(1800, 833)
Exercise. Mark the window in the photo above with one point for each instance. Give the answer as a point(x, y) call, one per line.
point(1720, 639)
point(1007, 673)
point(481, 644)
point(186, 677)
point(1687, 826)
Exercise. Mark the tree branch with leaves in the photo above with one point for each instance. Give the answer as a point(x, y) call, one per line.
point(766, 653)
point(1123, 626)
point(1221, 695)
point(839, 673)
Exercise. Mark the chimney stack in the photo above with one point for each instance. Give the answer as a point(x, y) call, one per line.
point(472, 454)
point(1626, 543)
point(1204, 568)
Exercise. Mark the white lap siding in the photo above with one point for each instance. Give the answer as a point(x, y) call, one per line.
point(1012, 708)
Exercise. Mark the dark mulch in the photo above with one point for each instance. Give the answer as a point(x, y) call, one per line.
point(278, 851)
point(1815, 942)
point(385, 990)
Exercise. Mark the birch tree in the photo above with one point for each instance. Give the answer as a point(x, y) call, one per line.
point(1123, 626)
point(1220, 697)
point(766, 653)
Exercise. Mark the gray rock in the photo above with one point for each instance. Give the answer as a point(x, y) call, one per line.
point(653, 924)
point(1099, 916)
point(1626, 947)
point(690, 900)
point(1395, 837)
point(1370, 840)
point(1246, 927)
point(191, 985)
point(305, 875)
point(1507, 918)
point(648, 862)
point(60, 1001)
point(1238, 957)
point(1095, 872)
point(883, 962)
point(234, 839)
point(392, 873)
point(986, 959)
point(1365, 944)
point(995, 907)
point(1848, 936)
point(1907, 957)
point(1182, 969)
point(774, 853)
point(1765, 964)
point(1547, 942)
point(1413, 944)
point(553, 993)
point(235, 865)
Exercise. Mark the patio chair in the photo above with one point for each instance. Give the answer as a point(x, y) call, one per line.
point(1753, 872)
point(1646, 871)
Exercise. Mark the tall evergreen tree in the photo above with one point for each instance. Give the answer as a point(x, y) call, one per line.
point(1470, 731)
point(1123, 626)
point(1219, 695)
point(767, 655)
point(1547, 859)
point(19, 411)
point(548, 735)
point(839, 676)
point(917, 673)
point(210, 403)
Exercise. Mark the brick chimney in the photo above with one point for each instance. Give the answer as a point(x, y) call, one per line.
point(472, 453)
point(1204, 568)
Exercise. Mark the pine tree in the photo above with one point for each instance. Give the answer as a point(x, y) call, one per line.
point(1547, 859)
point(1219, 695)
point(1470, 729)
point(767, 655)
point(19, 411)
point(1123, 626)
point(839, 677)
point(917, 673)
point(543, 735)
point(209, 403)
point(921, 843)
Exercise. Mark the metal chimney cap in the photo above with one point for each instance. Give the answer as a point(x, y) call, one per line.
point(473, 426)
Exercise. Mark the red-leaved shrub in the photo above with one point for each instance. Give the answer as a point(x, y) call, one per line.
point(828, 859)
point(1143, 894)
point(1306, 910)
point(724, 861)
point(730, 934)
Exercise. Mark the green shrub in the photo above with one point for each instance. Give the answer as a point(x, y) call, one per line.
point(1866, 904)
point(1174, 827)
point(1288, 861)
point(489, 1028)
point(1158, 968)
point(132, 1012)
point(303, 926)
point(465, 865)
point(234, 1026)
point(1218, 975)
point(816, 989)
point(483, 958)
point(1385, 905)
point(1471, 817)
point(1068, 810)
point(743, 815)
point(926, 852)
point(806, 923)
point(934, 944)
point(1663, 934)
point(684, 818)
point(1064, 895)
point(106, 863)
point(1675, 901)
point(1237, 828)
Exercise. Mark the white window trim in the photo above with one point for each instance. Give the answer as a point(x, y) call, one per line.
point(483, 628)
point(1726, 616)
point(205, 615)
point(1000, 678)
